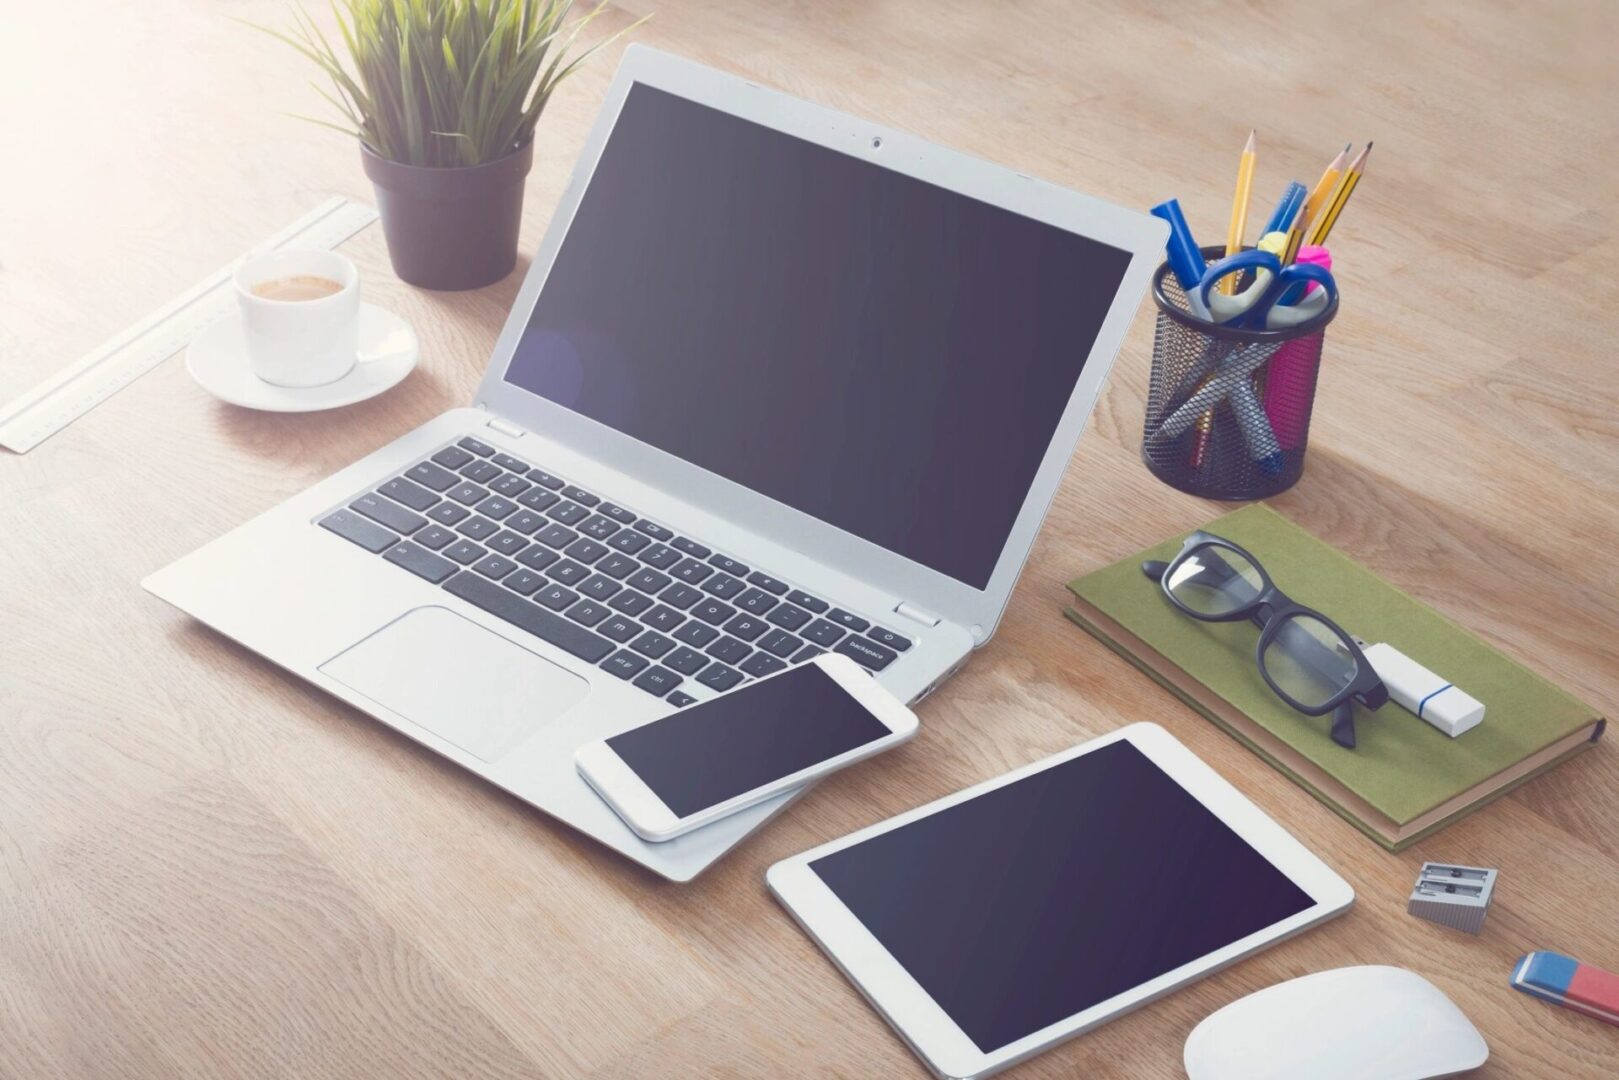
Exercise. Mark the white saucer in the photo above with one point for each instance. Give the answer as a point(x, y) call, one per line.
point(217, 359)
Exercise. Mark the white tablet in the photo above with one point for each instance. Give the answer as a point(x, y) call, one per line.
point(996, 922)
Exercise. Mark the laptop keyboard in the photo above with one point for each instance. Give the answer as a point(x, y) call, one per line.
point(598, 581)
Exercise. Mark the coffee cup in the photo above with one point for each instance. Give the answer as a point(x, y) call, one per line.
point(301, 316)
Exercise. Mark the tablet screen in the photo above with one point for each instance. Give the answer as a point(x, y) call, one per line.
point(1037, 900)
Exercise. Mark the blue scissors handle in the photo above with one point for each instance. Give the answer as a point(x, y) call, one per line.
point(1224, 308)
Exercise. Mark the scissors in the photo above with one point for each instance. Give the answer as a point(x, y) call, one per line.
point(1276, 297)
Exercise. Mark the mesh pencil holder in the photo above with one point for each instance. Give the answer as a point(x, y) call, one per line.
point(1250, 443)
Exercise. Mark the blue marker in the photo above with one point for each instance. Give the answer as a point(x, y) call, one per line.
point(1281, 219)
point(1185, 258)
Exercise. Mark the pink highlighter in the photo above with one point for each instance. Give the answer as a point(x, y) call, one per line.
point(1290, 378)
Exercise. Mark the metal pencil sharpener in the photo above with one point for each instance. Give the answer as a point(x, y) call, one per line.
point(1454, 896)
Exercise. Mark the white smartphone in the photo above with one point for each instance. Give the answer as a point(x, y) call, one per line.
point(716, 757)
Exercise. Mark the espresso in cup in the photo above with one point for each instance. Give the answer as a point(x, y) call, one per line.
point(299, 287)
point(300, 316)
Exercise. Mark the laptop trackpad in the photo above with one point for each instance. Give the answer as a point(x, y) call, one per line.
point(469, 686)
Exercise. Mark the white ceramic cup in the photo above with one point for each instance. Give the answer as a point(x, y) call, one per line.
point(300, 342)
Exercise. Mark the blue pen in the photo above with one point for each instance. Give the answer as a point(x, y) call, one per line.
point(1282, 217)
point(1185, 259)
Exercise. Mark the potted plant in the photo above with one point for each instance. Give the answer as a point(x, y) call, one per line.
point(443, 98)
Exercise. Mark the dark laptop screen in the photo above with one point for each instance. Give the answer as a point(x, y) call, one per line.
point(878, 352)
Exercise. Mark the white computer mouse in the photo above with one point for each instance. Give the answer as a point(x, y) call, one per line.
point(1353, 1023)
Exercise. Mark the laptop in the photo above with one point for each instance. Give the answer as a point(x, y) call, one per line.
point(779, 381)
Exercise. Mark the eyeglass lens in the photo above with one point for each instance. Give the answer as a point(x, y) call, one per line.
point(1309, 661)
point(1214, 580)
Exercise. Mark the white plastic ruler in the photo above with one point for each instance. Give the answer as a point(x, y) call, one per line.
point(125, 357)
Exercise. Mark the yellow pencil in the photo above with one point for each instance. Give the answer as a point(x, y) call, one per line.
point(1329, 216)
point(1323, 187)
point(1295, 237)
point(1239, 209)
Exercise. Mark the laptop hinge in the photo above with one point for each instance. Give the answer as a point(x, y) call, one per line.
point(506, 427)
point(916, 614)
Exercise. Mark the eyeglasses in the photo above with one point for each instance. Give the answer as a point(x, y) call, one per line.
point(1307, 659)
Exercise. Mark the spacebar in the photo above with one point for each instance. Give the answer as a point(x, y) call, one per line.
point(545, 625)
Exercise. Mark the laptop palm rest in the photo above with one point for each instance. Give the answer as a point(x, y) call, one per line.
point(469, 686)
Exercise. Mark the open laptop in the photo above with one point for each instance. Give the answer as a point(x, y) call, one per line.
point(780, 380)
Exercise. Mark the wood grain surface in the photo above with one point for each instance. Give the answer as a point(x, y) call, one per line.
point(209, 869)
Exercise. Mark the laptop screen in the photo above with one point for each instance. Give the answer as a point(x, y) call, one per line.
point(883, 354)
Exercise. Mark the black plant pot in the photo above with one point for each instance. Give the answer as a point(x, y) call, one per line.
point(451, 228)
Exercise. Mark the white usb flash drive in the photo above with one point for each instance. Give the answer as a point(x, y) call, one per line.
point(1431, 697)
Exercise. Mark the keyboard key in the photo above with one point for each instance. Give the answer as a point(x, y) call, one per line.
point(598, 526)
point(658, 555)
point(431, 476)
point(599, 587)
point(628, 542)
point(780, 643)
point(687, 661)
point(620, 628)
point(724, 586)
point(789, 616)
point(745, 627)
point(807, 602)
point(680, 596)
point(496, 507)
point(568, 572)
point(728, 649)
point(351, 526)
point(478, 528)
point(756, 601)
point(696, 634)
point(511, 464)
point(712, 611)
point(847, 620)
point(680, 699)
point(761, 664)
point(808, 652)
point(686, 545)
point(889, 638)
point(719, 677)
point(465, 552)
point(822, 633)
point(649, 581)
point(663, 617)
point(469, 443)
point(420, 561)
point(525, 522)
point(586, 551)
point(616, 566)
point(538, 499)
point(504, 604)
point(767, 583)
point(537, 558)
point(448, 513)
point(523, 583)
point(507, 543)
point(867, 652)
point(626, 664)
point(729, 565)
point(433, 537)
point(481, 472)
point(580, 495)
point(412, 495)
point(545, 479)
point(657, 681)
point(652, 644)
point(452, 457)
point(556, 536)
point(555, 597)
point(467, 494)
point(388, 513)
point(569, 513)
point(654, 530)
point(510, 486)
point(630, 602)
point(617, 513)
point(494, 567)
point(691, 571)
point(587, 613)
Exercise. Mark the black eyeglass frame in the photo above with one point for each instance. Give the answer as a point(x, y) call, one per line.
point(1270, 611)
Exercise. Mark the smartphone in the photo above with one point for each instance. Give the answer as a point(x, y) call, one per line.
point(716, 757)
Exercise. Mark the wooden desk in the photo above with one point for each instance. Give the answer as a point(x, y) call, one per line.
point(207, 867)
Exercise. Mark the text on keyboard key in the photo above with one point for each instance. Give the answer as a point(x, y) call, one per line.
point(351, 526)
point(867, 652)
point(387, 513)
point(719, 677)
point(657, 680)
point(626, 664)
point(889, 638)
point(761, 664)
point(431, 476)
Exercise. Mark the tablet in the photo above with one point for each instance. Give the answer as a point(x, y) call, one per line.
point(993, 923)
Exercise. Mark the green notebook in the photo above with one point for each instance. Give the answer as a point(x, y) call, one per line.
point(1405, 779)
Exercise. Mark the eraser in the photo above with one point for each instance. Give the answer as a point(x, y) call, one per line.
point(1563, 980)
point(1434, 699)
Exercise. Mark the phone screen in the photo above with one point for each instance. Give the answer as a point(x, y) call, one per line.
point(719, 749)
